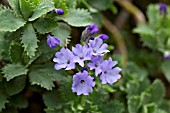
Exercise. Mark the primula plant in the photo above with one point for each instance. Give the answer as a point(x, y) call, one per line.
point(72, 56)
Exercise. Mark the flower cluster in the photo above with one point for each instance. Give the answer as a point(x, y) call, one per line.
point(90, 57)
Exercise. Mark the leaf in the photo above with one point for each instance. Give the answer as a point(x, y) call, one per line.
point(165, 69)
point(15, 48)
point(29, 40)
point(44, 7)
point(78, 18)
point(100, 5)
point(15, 85)
point(144, 29)
point(13, 70)
point(150, 108)
point(3, 97)
point(132, 88)
point(45, 25)
point(18, 101)
point(15, 5)
point(63, 34)
point(71, 3)
point(9, 21)
point(44, 76)
point(133, 104)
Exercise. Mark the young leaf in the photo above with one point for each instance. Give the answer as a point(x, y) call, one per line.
point(45, 25)
point(13, 70)
point(9, 21)
point(44, 76)
point(15, 85)
point(63, 34)
point(29, 40)
point(78, 17)
point(44, 7)
point(165, 68)
point(15, 48)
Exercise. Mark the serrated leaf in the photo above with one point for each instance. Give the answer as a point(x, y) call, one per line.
point(165, 68)
point(144, 29)
point(44, 7)
point(13, 70)
point(78, 18)
point(18, 101)
point(133, 104)
point(15, 85)
point(71, 3)
point(15, 5)
point(44, 76)
point(9, 21)
point(3, 97)
point(29, 40)
point(63, 34)
point(15, 48)
point(45, 25)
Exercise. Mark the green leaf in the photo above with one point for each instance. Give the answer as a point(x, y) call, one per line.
point(132, 88)
point(133, 104)
point(3, 97)
point(13, 70)
point(18, 101)
point(15, 48)
point(63, 34)
point(9, 21)
point(71, 3)
point(44, 76)
point(100, 5)
point(44, 7)
point(78, 18)
point(45, 25)
point(15, 85)
point(15, 5)
point(29, 40)
point(150, 108)
point(144, 29)
point(165, 69)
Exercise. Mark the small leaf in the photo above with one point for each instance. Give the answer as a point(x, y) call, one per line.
point(63, 34)
point(29, 40)
point(45, 25)
point(78, 18)
point(44, 76)
point(15, 48)
point(133, 104)
point(15, 85)
point(9, 21)
point(150, 108)
point(13, 70)
point(165, 68)
point(44, 7)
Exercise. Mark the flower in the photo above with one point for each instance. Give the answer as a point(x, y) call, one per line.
point(64, 59)
point(58, 11)
point(167, 55)
point(52, 41)
point(103, 36)
point(82, 83)
point(162, 9)
point(98, 48)
point(81, 54)
point(95, 64)
point(109, 74)
point(92, 29)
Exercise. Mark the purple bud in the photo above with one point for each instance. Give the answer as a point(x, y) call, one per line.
point(162, 8)
point(52, 41)
point(58, 11)
point(103, 36)
point(167, 55)
point(83, 69)
point(91, 38)
point(92, 29)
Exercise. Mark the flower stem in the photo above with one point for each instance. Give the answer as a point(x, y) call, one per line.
point(82, 102)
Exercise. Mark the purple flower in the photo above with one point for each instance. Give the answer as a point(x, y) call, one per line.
point(82, 83)
point(52, 41)
point(64, 59)
point(81, 54)
point(95, 64)
point(98, 48)
point(58, 11)
point(103, 36)
point(162, 9)
point(109, 74)
point(167, 55)
point(92, 29)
